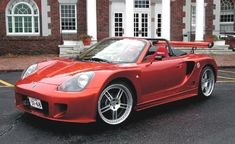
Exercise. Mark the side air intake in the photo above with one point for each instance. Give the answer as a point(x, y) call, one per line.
point(190, 66)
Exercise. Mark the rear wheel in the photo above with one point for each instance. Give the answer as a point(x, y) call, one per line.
point(207, 82)
point(115, 103)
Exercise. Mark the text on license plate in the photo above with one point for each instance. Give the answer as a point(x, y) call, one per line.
point(36, 103)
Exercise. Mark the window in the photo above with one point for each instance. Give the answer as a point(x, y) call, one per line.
point(159, 25)
point(22, 18)
point(141, 3)
point(68, 18)
point(193, 19)
point(144, 28)
point(227, 5)
point(118, 24)
point(226, 16)
point(136, 24)
point(141, 24)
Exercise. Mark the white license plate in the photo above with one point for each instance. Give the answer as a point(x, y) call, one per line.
point(36, 103)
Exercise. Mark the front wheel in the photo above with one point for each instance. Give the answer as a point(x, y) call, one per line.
point(207, 82)
point(115, 103)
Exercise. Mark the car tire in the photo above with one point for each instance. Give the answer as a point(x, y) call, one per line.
point(115, 104)
point(207, 82)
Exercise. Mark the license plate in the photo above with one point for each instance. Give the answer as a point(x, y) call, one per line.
point(36, 103)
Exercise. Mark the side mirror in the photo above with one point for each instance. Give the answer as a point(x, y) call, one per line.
point(159, 57)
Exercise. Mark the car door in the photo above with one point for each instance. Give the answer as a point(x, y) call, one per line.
point(162, 78)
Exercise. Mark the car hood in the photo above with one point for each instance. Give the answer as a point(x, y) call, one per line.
point(56, 72)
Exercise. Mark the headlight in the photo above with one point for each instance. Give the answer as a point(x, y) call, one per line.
point(29, 71)
point(77, 82)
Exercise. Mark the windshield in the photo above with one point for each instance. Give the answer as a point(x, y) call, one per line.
point(114, 51)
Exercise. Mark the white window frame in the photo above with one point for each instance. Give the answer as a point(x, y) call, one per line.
point(141, 6)
point(193, 18)
point(141, 11)
point(226, 24)
point(140, 22)
point(159, 22)
point(69, 31)
point(12, 15)
point(118, 22)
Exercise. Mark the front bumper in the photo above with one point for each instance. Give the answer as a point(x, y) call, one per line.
point(78, 107)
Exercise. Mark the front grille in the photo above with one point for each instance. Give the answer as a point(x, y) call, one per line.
point(45, 107)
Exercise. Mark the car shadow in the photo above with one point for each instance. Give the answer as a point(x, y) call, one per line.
point(169, 108)
point(61, 128)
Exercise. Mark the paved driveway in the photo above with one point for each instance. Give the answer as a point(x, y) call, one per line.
point(189, 121)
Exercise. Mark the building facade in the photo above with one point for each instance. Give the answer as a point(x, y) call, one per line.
point(39, 26)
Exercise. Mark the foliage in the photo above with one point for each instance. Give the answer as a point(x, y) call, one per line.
point(84, 36)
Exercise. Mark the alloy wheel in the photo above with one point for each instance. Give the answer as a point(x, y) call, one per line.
point(115, 104)
point(207, 82)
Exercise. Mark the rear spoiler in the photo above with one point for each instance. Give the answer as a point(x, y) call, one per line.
point(181, 44)
point(192, 44)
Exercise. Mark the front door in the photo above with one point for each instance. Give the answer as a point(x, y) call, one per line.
point(141, 24)
point(161, 78)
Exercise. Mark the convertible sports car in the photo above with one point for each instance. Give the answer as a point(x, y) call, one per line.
point(113, 78)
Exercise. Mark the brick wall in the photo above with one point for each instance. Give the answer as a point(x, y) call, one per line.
point(40, 44)
point(209, 17)
point(28, 44)
point(177, 15)
point(49, 44)
point(102, 19)
point(82, 20)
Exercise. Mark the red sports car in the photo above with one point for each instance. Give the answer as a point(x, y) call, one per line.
point(113, 78)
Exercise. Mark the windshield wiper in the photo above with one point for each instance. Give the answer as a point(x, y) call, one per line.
point(98, 60)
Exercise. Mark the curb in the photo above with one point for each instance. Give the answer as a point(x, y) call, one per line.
point(226, 66)
point(17, 70)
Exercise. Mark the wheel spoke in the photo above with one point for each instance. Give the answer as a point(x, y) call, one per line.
point(105, 109)
point(119, 95)
point(203, 86)
point(114, 115)
point(204, 90)
point(123, 106)
point(108, 96)
point(203, 80)
point(206, 75)
point(211, 81)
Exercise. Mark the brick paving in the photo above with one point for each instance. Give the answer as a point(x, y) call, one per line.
point(12, 63)
point(225, 60)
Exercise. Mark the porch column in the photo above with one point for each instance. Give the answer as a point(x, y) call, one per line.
point(129, 19)
point(91, 19)
point(200, 20)
point(46, 31)
point(166, 19)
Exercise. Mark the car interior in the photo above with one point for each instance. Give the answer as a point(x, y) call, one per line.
point(162, 49)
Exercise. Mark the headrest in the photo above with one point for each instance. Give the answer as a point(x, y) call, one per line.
point(162, 51)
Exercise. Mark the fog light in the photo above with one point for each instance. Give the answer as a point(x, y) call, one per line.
point(60, 110)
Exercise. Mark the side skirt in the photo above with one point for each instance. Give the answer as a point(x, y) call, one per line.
point(171, 98)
